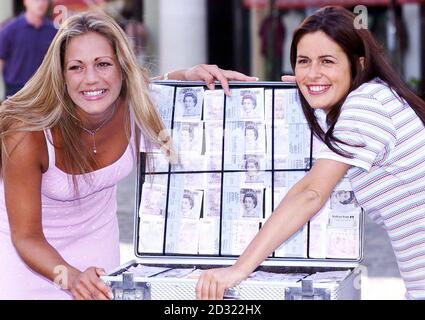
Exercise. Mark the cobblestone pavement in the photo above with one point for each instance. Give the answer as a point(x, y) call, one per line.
point(381, 279)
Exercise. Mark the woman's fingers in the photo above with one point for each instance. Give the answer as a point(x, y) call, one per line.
point(210, 73)
point(220, 291)
point(205, 289)
point(83, 291)
point(199, 286)
point(237, 76)
point(78, 288)
point(89, 286)
point(77, 295)
point(287, 78)
point(217, 74)
point(203, 286)
point(200, 73)
point(101, 290)
point(212, 284)
point(212, 292)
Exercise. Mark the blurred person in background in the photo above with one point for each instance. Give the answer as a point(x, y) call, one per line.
point(24, 41)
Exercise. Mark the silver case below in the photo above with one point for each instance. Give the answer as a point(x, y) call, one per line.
point(126, 286)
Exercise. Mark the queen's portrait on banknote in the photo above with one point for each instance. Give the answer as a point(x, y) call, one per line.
point(153, 199)
point(250, 203)
point(251, 104)
point(188, 136)
point(343, 200)
point(189, 103)
point(251, 137)
point(252, 167)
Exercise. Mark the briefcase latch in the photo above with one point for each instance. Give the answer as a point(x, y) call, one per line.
point(307, 292)
point(129, 289)
point(232, 294)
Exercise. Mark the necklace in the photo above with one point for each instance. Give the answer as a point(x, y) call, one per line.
point(93, 132)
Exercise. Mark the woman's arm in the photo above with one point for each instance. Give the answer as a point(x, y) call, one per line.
point(301, 203)
point(208, 73)
point(22, 183)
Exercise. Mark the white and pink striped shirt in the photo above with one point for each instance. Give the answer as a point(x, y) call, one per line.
point(388, 171)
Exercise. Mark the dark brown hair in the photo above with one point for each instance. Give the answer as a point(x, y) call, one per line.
point(338, 23)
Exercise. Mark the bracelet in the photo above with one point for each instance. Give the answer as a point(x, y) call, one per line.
point(166, 75)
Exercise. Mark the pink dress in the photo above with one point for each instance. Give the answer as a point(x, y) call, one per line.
point(83, 229)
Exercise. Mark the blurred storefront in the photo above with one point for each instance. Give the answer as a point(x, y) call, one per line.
point(252, 36)
point(397, 24)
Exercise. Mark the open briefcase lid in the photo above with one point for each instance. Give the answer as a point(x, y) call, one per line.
point(238, 156)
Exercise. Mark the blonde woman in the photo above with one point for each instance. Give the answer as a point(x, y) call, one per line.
point(67, 138)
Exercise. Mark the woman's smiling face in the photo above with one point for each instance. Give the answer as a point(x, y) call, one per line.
point(92, 73)
point(322, 70)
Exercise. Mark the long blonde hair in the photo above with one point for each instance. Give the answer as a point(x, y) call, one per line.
point(44, 102)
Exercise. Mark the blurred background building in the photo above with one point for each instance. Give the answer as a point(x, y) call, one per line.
point(251, 36)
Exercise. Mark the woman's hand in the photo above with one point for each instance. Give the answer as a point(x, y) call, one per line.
point(213, 282)
point(210, 73)
point(287, 78)
point(88, 286)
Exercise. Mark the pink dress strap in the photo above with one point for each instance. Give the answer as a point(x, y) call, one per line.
point(50, 147)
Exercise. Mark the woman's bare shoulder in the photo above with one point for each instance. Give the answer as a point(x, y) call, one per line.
point(26, 146)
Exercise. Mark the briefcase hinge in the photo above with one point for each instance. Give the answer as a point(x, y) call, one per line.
point(129, 289)
point(307, 292)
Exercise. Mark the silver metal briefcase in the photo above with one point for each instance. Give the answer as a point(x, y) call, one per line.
point(201, 211)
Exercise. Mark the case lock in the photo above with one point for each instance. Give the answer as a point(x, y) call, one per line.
point(307, 292)
point(128, 289)
point(232, 294)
